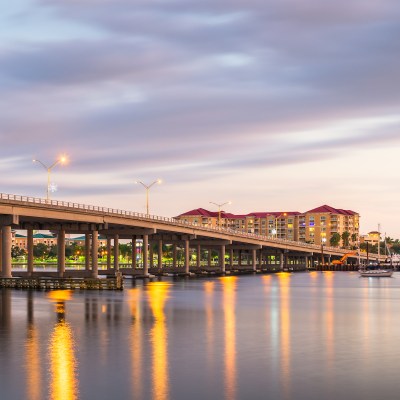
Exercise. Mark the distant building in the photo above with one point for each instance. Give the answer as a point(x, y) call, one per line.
point(311, 226)
point(372, 238)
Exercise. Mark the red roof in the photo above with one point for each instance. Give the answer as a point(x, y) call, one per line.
point(330, 210)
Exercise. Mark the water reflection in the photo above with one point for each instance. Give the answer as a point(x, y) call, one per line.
point(329, 316)
point(285, 348)
point(229, 300)
point(158, 294)
point(135, 296)
point(32, 356)
point(63, 365)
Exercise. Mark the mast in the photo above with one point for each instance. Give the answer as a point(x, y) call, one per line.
point(379, 243)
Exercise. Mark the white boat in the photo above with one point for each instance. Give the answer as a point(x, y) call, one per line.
point(376, 273)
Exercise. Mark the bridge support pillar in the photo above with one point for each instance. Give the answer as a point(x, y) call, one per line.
point(151, 254)
point(222, 258)
point(134, 252)
point(240, 258)
point(1, 251)
point(61, 253)
point(87, 252)
point(281, 261)
point(30, 250)
point(260, 260)
point(145, 255)
point(6, 251)
point(116, 253)
point(95, 254)
point(254, 260)
point(306, 262)
point(187, 258)
point(231, 259)
point(209, 257)
point(108, 253)
point(198, 258)
point(174, 254)
point(160, 244)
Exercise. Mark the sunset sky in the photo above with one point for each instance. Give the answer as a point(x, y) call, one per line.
point(274, 104)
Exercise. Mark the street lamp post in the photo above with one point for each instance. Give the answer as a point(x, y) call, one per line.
point(219, 210)
point(62, 160)
point(147, 187)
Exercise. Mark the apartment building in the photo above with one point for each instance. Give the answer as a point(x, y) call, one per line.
point(311, 226)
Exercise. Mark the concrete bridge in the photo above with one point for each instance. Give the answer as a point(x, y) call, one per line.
point(261, 253)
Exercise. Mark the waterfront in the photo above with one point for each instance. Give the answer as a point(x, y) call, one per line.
point(280, 336)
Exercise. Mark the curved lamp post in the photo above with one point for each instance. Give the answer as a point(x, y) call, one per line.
point(62, 160)
point(219, 210)
point(147, 187)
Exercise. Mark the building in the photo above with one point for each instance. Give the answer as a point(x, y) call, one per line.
point(372, 238)
point(312, 226)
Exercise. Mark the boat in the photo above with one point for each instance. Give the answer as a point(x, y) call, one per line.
point(375, 271)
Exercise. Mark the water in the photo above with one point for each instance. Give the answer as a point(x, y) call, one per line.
point(285, 336)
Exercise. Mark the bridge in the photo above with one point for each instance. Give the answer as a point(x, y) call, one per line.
point(237, 251)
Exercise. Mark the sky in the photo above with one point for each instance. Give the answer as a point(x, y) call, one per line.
point(275, 105)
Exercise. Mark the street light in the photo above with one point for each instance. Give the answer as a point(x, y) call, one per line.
point(147, 187)
point(62, 160)
point(219, 210)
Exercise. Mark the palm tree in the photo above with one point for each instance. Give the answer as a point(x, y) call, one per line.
point(345, 238)
point(335, 239)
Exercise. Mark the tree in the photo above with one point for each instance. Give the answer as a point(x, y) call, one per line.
point(17, 252)
point(335, 239)
point(345, 238)
point(40, 250)
point(354, 237)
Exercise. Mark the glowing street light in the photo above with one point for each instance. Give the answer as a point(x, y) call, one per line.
point(147, 187)
point(219, 210)
point(51, 187)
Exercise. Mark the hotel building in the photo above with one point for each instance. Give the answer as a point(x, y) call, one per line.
point(309, 227)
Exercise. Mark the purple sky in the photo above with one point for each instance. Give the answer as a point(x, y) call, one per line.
point(274, 105)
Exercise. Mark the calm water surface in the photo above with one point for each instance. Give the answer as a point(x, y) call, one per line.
point(285, 336)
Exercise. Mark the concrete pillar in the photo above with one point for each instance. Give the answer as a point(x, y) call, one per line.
point(306, 261)
point(198, 258)
point(145, 253)
point(133, 251)
point(231, 258)
point(174, 255)
point(1, 250)
point(160, 243)
point(281, 261)
point(209, 257)
point(61, 253)
point(240, 258)
point(116, 252)
point(254, 259)
point(6, 251)
point(260, 260)
point(30, 250)
point(187, 258)
point(95, 254)
point(222, 258)
point(87, 252)
point(108, 253)
point(151, 253)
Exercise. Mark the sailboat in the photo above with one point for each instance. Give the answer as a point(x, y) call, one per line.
point(375, 270)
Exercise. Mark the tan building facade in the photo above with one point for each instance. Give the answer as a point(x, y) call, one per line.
point(314, 226)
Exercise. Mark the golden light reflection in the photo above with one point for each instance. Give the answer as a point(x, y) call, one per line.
point(33, 364)
point(209, 288)
point(136, 341)
point(329, 316)
point(158, 295)
point(229, 301)
point(63, 364)
point(284, 288)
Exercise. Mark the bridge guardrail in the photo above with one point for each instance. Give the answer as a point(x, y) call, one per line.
point(174, 221)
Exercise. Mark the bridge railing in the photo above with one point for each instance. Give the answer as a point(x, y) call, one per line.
point(173, 221)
